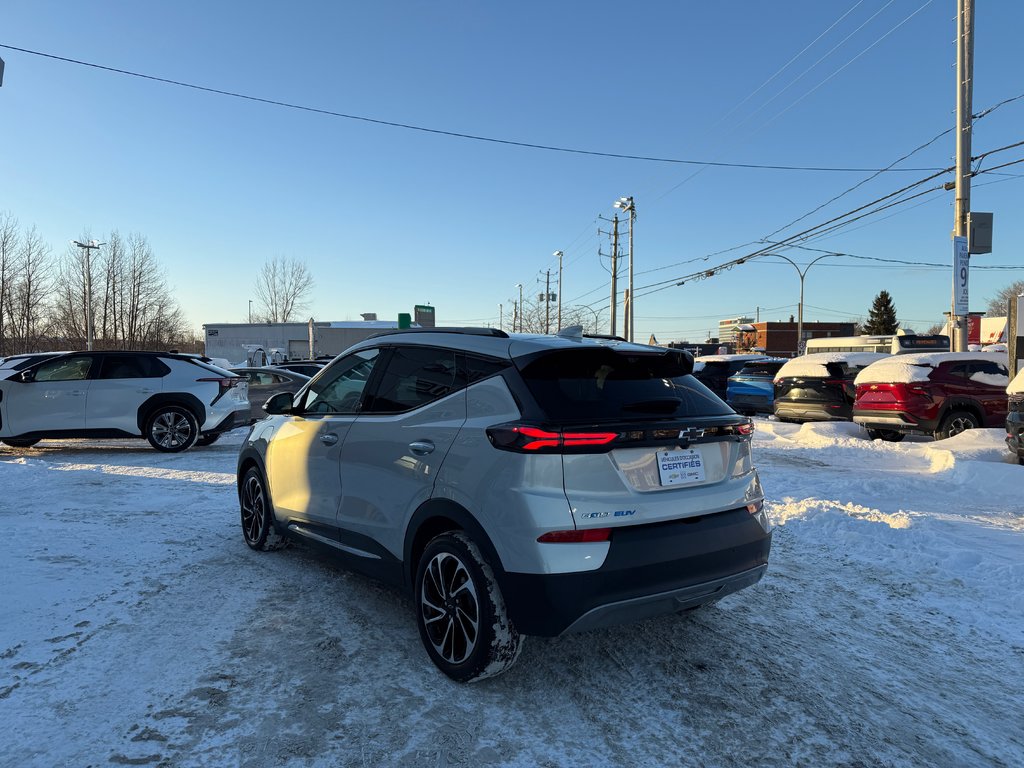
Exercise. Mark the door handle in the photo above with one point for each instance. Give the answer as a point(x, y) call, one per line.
point(421, 447)
point(77, 393)
point(329, 439)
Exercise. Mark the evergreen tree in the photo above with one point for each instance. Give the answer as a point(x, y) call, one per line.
point(882, 317)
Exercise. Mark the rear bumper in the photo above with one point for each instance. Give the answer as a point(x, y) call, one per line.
point(899, 421)
point(233, 420)
point(812, 411)
point(650, 570)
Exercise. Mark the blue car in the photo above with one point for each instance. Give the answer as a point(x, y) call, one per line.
point(750, 390)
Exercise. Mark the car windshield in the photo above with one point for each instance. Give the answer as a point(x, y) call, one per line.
point(601, 385)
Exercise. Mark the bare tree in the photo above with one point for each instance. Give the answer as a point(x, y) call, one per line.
point(282, 290)
point(997, 304)
point(9, 241)
point(131, 301)
point(29, 311)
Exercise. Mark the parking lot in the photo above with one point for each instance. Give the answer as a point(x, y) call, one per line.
point(140, 630)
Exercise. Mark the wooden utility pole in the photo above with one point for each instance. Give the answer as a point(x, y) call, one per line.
point(615, 270)
point(547, 304)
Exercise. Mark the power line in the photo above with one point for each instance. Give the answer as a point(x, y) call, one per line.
point(453, 134)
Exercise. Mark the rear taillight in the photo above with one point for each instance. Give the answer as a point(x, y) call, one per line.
point(523, 438)
point(225, 382)
point(588, 535)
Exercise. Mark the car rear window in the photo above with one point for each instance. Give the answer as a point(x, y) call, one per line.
point(601, 384)
point(760, 369)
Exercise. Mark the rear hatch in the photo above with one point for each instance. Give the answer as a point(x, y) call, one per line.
point(641, 440)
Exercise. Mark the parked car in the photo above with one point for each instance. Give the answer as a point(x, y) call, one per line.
point(939, 394)
point(1015, 416)
point(265, 381)
point(750, 390)
point(309, 368)
point(819, 386)
point(174, 401)
point(523, 485)
point(11, 364)
point(713, 371)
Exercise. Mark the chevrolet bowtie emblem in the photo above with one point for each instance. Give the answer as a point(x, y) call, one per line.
point(691, 433)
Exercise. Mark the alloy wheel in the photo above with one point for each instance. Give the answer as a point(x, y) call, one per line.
point(254, 510)
point(450, 609)
point(171, 429)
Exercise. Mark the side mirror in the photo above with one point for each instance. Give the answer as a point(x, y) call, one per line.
point(279, 403)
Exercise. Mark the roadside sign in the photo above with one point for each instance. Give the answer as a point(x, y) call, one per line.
point(961, 270)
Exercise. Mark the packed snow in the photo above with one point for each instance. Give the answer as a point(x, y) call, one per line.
point(889, 630)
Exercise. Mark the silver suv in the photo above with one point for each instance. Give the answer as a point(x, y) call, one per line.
point(514, 485)
point(174, 401)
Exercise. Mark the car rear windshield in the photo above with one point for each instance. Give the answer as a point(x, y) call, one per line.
point(760, 369)
point(602, 385)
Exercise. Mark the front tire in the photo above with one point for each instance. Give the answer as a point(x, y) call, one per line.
point(172, 428)
point(460, 611)
point(955, 423)
point(258, 514)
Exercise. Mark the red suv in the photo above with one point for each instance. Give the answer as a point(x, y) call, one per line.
point(939, 394)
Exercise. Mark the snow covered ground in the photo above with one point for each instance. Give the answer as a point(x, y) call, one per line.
point(139, 630)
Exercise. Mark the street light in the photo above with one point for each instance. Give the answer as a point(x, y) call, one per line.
point(559, 254)
point(88, 247)
point(626, 204)
point(520, 309)
point(800, 306)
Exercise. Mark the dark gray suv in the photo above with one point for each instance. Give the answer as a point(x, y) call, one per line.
point(514, 485)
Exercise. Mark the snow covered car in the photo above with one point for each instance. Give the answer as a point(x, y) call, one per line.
point(939, 394)
point(819, 386)
point(174, 401)
point(1015, 416)
point(513, 485)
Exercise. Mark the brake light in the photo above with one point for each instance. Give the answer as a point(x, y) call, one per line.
point(523, 438)
point(588, 535)
point(745, 429)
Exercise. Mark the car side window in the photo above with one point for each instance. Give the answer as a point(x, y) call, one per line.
point(959, 370)
point(64, 369)
point(341, 389)
point(414, 377)
point(124, 367)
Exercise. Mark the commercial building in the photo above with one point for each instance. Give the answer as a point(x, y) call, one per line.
point(779, 339)
point(727, 333)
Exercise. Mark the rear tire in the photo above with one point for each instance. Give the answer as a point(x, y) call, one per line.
point(172, 428)
point(460, 611)
point(888, 435)
point(16, 443)
point(258, 514)
point(955, 423)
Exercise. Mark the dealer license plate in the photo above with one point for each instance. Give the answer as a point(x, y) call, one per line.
point(680, 467)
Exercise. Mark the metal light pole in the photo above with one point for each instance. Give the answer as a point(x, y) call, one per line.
point(250, 311)
point(559, 254)
point(88, 248)
point(626, 204)
point(800, 306)
point(964, 92)
point(520, 287)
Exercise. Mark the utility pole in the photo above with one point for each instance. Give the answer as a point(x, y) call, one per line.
point(501, 317)
point(519, 308)
point(559, 255)
point(964, 97)
point(615, 271)
point(547, 304)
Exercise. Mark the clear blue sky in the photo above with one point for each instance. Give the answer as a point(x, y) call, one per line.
point(387, 218)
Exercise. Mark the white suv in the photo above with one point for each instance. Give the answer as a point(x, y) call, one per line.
point(523, 485)
point(175, 401)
